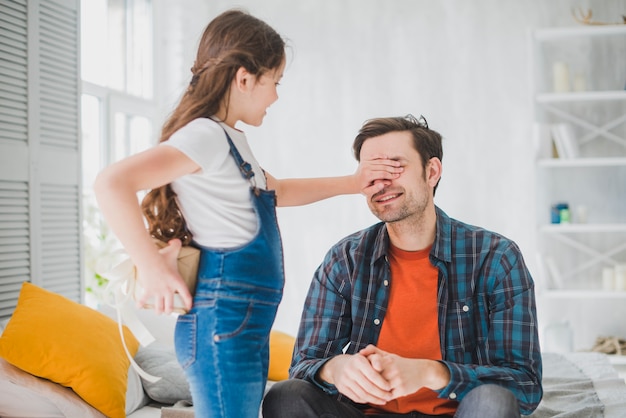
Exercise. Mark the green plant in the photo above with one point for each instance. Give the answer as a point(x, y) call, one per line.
point(101, 248)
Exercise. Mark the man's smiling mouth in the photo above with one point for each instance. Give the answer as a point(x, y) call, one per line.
point(386, 198)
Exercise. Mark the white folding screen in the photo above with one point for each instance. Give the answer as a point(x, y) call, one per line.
point(40, 216)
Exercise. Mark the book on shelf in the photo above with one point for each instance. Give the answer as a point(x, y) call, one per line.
point(555, 279)
point(542, 141)
point(565, 140)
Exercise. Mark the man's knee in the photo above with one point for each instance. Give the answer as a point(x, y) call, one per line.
point(287, 389)
point(287, 395)
point(489, 401)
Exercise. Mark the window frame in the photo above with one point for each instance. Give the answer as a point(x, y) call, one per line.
point(111, 102)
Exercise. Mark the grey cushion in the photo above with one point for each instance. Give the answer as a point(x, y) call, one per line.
point(160, 360)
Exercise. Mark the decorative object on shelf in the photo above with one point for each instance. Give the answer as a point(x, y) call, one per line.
point(614, 278)
point(585, 18)
point(610, 345)
point(581, 214)
point(555, 216)
point(560, 213)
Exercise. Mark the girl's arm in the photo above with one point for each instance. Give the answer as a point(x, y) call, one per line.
point(116, 189)
point(370, 177)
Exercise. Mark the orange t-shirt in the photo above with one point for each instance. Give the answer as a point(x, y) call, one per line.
point(411, 326)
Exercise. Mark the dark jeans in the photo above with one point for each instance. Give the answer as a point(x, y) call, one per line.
point(295, 398)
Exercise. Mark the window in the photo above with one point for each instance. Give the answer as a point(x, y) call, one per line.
point(118, 106)
point(117, 49)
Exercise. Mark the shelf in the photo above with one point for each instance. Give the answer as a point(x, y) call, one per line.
point(582, 294)
point(581, 96)
point(590, 117)
point(584, 228)
point(572, 31)
point(582, 162)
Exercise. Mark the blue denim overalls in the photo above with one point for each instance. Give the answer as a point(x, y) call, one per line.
point(223, 342)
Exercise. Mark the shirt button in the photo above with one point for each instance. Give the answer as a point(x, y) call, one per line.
point(465, 308)
point(453, 395)
point(386, 282)
point(376, 321)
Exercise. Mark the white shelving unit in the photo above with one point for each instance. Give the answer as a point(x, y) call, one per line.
point(579, 80)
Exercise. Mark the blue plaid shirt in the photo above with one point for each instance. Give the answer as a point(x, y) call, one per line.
point(486, 301)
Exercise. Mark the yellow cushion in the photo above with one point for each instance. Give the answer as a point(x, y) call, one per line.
point(281, 350)
point(71, 344)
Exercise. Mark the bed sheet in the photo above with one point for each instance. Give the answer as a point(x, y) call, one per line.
point(147, 411)
point(581, 385)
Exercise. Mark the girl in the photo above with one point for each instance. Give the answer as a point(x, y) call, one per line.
point(205, 184)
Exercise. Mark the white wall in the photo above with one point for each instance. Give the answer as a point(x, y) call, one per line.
point(464, 65)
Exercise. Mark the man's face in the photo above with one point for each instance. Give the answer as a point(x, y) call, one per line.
point(407, 197)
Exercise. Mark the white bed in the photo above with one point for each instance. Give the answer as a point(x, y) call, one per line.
point(576, 385)
point(581, 385)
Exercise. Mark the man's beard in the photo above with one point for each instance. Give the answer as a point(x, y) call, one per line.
point(410, 208)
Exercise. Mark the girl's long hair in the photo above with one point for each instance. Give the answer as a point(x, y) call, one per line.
point(232, 40)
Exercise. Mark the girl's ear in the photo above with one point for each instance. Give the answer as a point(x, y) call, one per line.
point(243, 79)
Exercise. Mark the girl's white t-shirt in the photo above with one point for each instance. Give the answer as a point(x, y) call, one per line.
point(216, 201)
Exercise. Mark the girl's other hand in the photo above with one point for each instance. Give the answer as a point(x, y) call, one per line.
point(160, 282)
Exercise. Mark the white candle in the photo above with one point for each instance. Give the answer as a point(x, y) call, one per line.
point(608, 281)
point(580, 84)
point(560, 73)
point(581, 214)
point(620, 277)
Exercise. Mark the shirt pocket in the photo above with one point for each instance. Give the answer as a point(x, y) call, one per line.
point(464, 332)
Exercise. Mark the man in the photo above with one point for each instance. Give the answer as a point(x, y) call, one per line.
point(419, 315)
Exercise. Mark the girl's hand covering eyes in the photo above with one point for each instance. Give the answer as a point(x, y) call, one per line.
point(375, 174)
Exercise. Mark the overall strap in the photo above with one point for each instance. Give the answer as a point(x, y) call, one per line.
point(244, 167)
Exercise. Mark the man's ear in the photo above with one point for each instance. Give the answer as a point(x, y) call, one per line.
point(433, 171)
point(243, 79)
